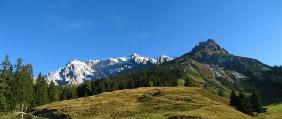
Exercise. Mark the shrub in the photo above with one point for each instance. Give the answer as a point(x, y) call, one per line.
point(220, 93)
point(180, 82)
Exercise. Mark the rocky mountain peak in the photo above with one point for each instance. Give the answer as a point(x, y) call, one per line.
point(209, 52)
point(209, 47)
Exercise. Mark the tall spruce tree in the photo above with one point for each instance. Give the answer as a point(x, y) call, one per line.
point(5, 79)
point(22, 87)
point(28, 85)
point(16, 87)
point(53, 92)
point(256, 102)
point(243, 104)
point(233, 99)
point(40, 91)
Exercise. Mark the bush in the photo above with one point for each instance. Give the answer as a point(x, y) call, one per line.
point(180, 82)
point(220, 93)
point(144, 98)
point(191, 82)
point(151, 84)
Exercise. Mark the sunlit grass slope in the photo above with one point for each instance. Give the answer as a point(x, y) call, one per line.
point(152, 102)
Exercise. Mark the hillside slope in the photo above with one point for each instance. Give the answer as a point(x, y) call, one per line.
point(152, 102)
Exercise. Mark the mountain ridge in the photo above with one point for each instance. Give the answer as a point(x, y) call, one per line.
point(76, 71)
point(207, 54)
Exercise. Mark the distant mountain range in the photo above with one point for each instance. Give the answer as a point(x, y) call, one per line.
point(76, 71)
point(206, 59)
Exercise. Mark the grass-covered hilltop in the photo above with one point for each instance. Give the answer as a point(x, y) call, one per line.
point(206, 83)
point(144, 103)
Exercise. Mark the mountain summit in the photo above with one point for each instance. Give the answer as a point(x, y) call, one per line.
point(208, 48)
point(209, 52)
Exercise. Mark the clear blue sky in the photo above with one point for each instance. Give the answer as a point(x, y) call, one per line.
point(49, 33)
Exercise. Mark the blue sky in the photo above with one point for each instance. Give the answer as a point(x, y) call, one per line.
point(49, 33)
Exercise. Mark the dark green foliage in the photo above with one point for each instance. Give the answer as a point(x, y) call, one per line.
point(4, 91)
point(220, 92)
point(150, 83)
point(191, 82)
point(84, 89)
point(272, 83)
point(205, 86)
point(22, 87)
point(68, 92)
point(233, 99)
point(53, 92)
point(152, 76)
point(5, 79)
point(40, 91)
point(256, 102)
point(245, 104)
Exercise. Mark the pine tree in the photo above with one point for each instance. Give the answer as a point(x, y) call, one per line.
point(40, 91)
point(241, 98)
point(27, 87)
point(16, 87)
point(243, 104)
point(256, 102)
point(22, 87)
point(4, 88)
point(233, 99)
point(84, 89)
point(220, 92)
point(5, 79)
point(53, 92)
point(68, 92)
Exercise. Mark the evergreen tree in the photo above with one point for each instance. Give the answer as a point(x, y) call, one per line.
point(241, 98)
point(256, 102)
point(220, 93)
point(244, 105)
point(40, 91)
point(84, 89)
point(233, 99)
point(68, 92)
point(5, 79)
point(22, 87)
point(53, 92)
point(101, 86)
point(151, 84)
point(27, 88)
point(4, 88)
point(16, 87)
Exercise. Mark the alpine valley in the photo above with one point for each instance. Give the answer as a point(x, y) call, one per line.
point(206, 83)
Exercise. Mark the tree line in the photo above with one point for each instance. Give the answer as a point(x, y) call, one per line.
point(18, 89)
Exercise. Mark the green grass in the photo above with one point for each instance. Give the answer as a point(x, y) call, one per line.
point(17, 115)
point(274, 111)
point(150, 102)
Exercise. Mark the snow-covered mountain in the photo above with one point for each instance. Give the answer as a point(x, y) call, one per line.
point(76, 71)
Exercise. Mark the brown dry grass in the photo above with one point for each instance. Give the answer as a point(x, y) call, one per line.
point(150, 102)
